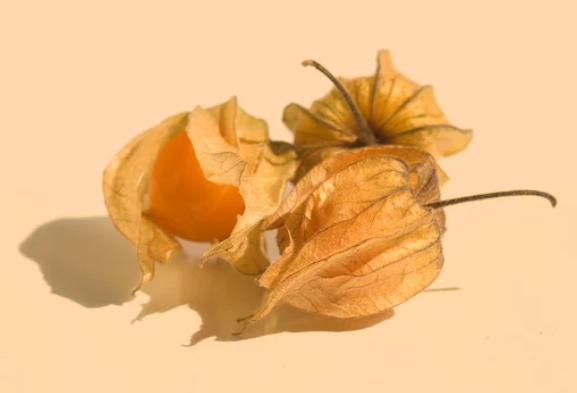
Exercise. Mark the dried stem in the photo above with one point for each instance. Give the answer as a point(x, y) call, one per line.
point(367, 136)
point(470, 198)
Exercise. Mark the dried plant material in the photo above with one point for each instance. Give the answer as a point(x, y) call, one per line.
point(262, 193)
point(208, 175)
point(125, 186)
point(242, 155)
point(355, 235)
point(387, 108)
point(360, 233)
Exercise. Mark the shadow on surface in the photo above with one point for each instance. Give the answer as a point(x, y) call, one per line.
point(87, 261)
point(84, 260)
point(220, 295)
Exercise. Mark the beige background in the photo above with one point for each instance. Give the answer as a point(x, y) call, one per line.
point(79, 79)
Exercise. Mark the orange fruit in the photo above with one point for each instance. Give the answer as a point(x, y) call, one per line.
point(183, 202)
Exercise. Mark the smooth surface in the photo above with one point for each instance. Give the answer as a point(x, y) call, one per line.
point(78, 80)
point(184, 202)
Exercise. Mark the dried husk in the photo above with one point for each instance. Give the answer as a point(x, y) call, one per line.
point(233, 148)
point(398, 110)
point(262, 193)
point(355, 234)
point(125, 187)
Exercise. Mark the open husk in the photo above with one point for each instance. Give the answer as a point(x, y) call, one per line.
point(233, 148)
point(397, 111)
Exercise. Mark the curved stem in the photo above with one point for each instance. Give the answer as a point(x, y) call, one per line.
point(470, 198)
point(366, 133)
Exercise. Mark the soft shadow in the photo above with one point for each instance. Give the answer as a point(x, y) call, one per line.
point(447, 289)
point(289, 319)
point(84, 260)
point(87, 261)
point(220, 295)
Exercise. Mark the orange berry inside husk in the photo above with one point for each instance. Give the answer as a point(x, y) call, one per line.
point(183, 202)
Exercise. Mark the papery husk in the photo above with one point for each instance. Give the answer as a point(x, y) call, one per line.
point(125, 187)
point(262, 193)
point(233, 148)
point(243, 156)
point(398, 110)
point(355, 235)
